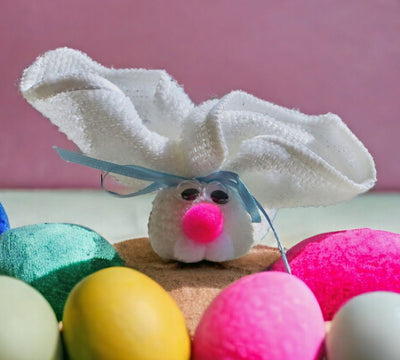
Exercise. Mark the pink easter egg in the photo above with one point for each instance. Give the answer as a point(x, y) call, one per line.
point(340, 265)
point(269, 315)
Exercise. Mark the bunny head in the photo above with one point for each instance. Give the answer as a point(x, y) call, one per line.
point(199, 221)
point(142, 118)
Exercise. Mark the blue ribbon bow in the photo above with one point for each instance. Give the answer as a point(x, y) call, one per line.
point(160, 180)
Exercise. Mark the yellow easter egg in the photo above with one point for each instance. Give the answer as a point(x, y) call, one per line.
point(119, 313)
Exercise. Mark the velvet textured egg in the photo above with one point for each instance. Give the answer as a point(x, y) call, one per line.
point(54, 257)
point(367, 327)
point(269, 315)
point(28, 325)
point(340, 265)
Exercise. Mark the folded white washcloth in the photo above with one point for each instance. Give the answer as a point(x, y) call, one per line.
point(143, 117)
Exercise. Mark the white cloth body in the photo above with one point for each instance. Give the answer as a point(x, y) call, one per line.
point(143, 117)
point(170, 242)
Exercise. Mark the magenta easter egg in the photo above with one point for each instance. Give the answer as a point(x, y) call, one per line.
point(340, 265)
point(269, 315)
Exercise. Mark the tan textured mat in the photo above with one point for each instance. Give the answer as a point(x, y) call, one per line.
point(193, 286)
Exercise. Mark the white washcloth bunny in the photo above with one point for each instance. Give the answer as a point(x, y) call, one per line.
point(143, 117)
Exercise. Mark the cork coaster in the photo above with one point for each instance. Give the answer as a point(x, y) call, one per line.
point(193, 286)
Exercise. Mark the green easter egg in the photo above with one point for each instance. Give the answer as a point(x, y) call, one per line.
point(28, 326)
point(53, 258)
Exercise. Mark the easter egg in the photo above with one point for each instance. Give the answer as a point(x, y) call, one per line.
point(119, 313)
point(340, 265)
point(4, 223)
point(269, 315)
point(28, 325)
point(367, 327)
point(54, 257)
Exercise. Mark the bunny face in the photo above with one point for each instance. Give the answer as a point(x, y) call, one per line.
point(197, 221)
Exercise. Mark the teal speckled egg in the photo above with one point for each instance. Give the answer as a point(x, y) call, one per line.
point(28, 326)
point(54, 257)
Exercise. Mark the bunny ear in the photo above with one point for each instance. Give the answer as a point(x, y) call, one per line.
point(203, 144)
point(128, 116)
point(290, 159)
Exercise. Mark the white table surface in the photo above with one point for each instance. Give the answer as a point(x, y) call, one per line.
point(121, 219)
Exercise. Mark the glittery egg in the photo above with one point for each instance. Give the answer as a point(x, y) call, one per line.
point(269, 315)
point(367, 327)
point(54, 257)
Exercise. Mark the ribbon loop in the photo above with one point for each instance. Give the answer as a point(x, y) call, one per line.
point(233, 180)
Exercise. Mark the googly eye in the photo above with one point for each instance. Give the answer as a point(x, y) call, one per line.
point(189, 190)
point(219, 197)
point(218, 193)
point(190, 194)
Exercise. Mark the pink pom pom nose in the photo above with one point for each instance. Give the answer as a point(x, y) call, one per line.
point(203, 222)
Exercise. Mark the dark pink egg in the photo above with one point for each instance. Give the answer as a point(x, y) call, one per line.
point(340, 265)
point(269, 315)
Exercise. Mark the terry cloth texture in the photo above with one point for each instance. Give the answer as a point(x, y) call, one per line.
point(143, 117)
point(53, 258)
point(193, 286)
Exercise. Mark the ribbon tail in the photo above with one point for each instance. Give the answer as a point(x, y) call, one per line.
point(132, 171)
point(281, 249)
point(148, 189)
point(84, 160)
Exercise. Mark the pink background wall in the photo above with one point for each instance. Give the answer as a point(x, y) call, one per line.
point(341, 56)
